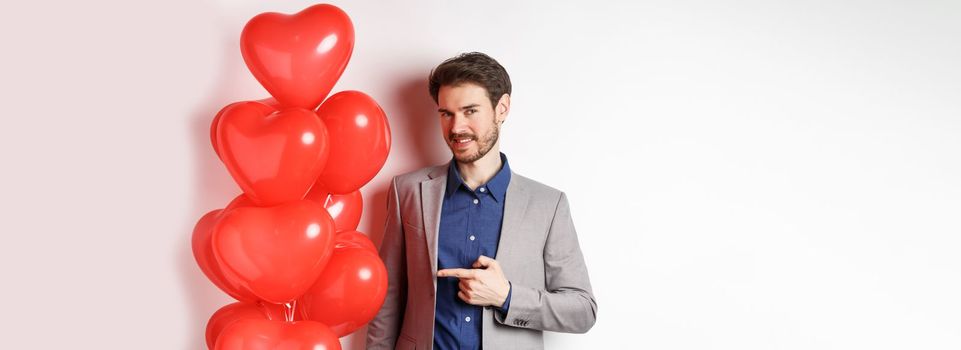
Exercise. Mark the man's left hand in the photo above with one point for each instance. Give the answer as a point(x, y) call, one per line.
point(484, 285)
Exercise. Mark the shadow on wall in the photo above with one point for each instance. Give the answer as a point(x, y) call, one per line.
point(416, 144)
point(419, 116)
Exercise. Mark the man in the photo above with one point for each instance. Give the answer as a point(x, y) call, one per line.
point(478, 256)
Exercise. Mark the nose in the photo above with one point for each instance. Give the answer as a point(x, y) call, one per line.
point(459, 124)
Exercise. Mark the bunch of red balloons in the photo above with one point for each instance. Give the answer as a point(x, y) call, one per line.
point(287, 247)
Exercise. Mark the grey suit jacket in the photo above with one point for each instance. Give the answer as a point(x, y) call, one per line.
point(538, 252)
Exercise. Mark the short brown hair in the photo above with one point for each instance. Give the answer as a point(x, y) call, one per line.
point(471, 67)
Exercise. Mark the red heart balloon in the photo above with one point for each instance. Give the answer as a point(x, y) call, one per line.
point(346, 209)
point(298, 58)
point(349, 293)
point(353, 239)
point(240, 201)
point(276, 157)
point(263, 105)
point(274, 252)
point(240, 311)
point(270, 101)
point(251, 334)
point(359, 141)
point(204, 254)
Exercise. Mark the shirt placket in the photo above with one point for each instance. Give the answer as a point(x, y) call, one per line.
point(467, 315)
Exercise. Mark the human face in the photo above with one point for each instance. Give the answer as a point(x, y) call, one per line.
point(469, 124)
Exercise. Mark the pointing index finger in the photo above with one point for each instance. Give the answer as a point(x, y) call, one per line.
point(459, 273)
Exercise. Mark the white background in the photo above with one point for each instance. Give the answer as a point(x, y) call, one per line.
point(742, 174)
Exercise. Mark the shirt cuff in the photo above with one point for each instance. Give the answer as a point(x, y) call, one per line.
point(507, 302)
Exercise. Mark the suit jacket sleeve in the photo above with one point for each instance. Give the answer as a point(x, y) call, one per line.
point(567, 305)
point(383, 330)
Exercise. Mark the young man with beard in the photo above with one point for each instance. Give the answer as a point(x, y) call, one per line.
point(478, 256)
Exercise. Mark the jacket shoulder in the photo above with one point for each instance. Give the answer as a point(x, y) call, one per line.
point(414, 178)
point(536, 188)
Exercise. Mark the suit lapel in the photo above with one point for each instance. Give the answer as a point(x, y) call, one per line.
point(515, 206)
point(432, 197)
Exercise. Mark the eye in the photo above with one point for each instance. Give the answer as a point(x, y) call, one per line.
point(444, 115)
point(470, 111)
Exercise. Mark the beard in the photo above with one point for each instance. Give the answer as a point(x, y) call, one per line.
point(484, 145)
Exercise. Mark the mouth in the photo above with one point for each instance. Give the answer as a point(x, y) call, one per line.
point(461, 142)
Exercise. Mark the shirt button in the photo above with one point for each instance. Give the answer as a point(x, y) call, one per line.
point(471, 237)
point(476, 201)
point(482, 189)
point(467, 318)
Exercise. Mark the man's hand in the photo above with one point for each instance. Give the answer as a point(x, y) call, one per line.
point(484, 285)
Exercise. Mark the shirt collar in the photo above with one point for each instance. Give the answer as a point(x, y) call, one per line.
point(497, 186)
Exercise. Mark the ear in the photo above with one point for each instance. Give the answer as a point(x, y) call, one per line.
point(503, 108)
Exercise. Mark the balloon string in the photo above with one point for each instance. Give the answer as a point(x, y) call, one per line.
point(263, 309)
point(289, 310)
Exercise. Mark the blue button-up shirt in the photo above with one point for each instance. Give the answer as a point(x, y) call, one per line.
point(470, 226)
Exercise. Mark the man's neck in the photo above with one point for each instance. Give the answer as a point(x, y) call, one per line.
point(482, 170)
